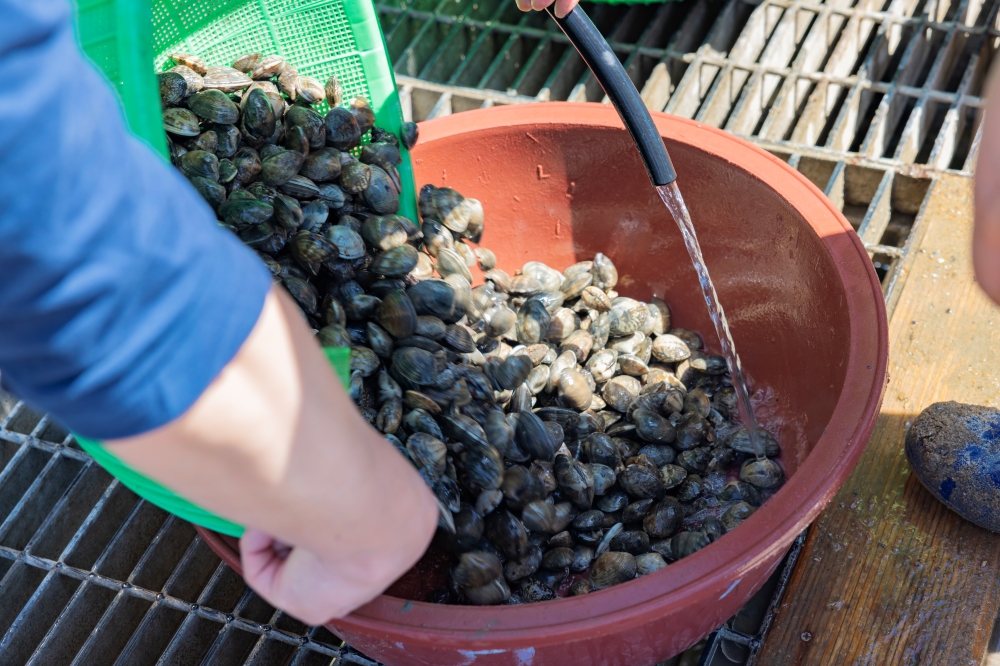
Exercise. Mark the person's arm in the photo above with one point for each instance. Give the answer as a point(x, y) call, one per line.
point(276, 443)
point(132, 317)
point(986, 237)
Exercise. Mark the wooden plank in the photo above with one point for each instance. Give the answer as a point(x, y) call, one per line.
point(888, 575)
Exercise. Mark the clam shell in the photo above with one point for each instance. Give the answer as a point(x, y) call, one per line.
point(605, 273)
point(225, 79)
point(310, 90)
point(258, 117)
point(575, 480)
point(648, 563)
point(574, 391)
point(342, 130)
point(736, 514)
point(492, 594)
point(462, 428)
point(762, 473)
point(334, 91)
point(214, 106)
point(619, 391)
point(355, 176)
point(410, 134)
point(312, 123)
point(200, 163)
point(416, 365)
point(246, 63)
point(507, 533)
point(189, 60)
point(384, 232)
point(395, 262)
point(483, 465)
point(533, 438)
point(173, 88)
point(182, 122)
point(362, 113)
point(687, 543)
point(301, 187)
point(670, 349)
point(640, 482)
point(397, 315)
point(612, 568)
point(194, 80)
point(267, 67)
point(281, 167)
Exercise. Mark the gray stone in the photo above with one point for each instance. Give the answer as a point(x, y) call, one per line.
point(954, 449)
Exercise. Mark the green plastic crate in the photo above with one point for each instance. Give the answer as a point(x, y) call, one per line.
point(129, 40)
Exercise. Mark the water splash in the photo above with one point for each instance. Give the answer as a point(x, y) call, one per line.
point(671, 196)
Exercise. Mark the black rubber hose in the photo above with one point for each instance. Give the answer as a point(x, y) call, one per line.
point(603, 62)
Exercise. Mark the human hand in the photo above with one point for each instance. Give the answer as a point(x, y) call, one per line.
point(986, 235)
point(308, 587)
point(563, 7)
point(276, 444)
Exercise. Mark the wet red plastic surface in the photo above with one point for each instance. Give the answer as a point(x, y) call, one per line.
point(560, 182)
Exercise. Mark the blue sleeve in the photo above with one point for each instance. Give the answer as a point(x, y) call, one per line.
point(121, 298)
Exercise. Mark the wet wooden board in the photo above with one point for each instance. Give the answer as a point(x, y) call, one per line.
point(888, 575)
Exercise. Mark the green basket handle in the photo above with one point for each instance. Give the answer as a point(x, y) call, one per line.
point(166, 499)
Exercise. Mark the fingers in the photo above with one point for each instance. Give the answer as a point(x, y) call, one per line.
point(564, 7)
point(298, 582)
point(261, 562)
point(281, 550)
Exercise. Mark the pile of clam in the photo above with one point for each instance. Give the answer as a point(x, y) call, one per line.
point(271, 165)
point(573, 438)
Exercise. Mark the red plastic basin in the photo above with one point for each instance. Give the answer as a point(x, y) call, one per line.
point(560, 182)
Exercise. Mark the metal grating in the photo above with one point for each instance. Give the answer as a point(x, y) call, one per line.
point(878, 83)
point(869, 99)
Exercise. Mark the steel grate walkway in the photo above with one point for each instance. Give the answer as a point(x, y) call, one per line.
point(881, 84)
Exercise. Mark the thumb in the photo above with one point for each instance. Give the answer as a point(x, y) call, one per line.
point(564, 7)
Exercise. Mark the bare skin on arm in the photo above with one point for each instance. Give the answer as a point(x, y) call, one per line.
point(986, 237)
point(276, 444)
